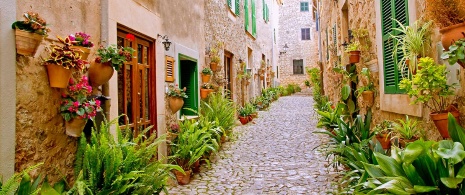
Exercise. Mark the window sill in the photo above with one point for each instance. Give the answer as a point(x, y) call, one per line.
point(250, 34)
point(400, 104)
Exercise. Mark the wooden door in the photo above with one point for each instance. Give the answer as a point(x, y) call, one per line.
point(228, 73)
point(136, 84)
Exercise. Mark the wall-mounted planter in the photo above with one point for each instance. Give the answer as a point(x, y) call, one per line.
point(213, 66)
point(100, 73)
point(84, 51)
point(58, 76)
point(75, 126)
point(451, 34)
point(354, 57)
point(27, 42)
point(176, 103)
point(368, 97)
point(206, 78)
point(204, 93)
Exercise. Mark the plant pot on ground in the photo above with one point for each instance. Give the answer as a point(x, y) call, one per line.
point(406, 130)
point(383, 133)
point(430, 87)
point(243, 115)
point(449, 16)
point(29, 33)
point(206, 75)
point(183, 178)
point(440, 120)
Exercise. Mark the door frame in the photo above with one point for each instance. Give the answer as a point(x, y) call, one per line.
point(181, 57)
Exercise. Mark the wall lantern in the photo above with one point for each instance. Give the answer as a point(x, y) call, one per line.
point(166, 42)
point(284, 49)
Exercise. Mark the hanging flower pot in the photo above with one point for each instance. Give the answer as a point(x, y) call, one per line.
point(183, 179)
point(83, 51)
point(213, 66)
point(441, 122)
point(176, 103)
point(206, 78)
point(384, 140)
point(58, 76)
point(204, 93)
point(451, 34)
point(27, 42)
point(100, 73)
point(244, 119)
point(354, 57)
point(368, 97)
point(75, 126)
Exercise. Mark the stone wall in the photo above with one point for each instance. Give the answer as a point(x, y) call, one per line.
point(290, 23)
point(40, 132)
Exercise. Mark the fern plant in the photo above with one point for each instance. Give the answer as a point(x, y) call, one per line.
point(219, 108)
point(20, 183)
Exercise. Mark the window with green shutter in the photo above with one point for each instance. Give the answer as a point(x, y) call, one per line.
point(246, 14)
point(264, 10)
point(254, 19)
point(392, 9)
point(229, 3)
point(267, 13)
point(237, 8)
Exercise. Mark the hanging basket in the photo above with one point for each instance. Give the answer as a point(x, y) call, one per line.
point(451, 34)
point(58, 76)
point(27, 42)
point(354, 57)
point(213, 66)
point(84, 51)
point(206, 78)
point(100, 73)
point(176, 103)
point(441, 122)
point(75, 126)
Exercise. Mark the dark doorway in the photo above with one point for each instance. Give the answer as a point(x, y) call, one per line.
point(188, 79)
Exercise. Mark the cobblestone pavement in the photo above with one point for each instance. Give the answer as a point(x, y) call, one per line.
point(273, 155)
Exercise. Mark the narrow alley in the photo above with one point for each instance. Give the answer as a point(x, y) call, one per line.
point(272, 155)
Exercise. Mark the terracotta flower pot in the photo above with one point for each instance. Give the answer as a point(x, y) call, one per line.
point(384, 140)
point(368, 97)
point(204, 93)
point(213, 66)
point(176, 103)
point(183, 179)
point(84, 51)
point(451, 34)
point(223, 139)
point(75, 126)
point(354, 57)
point(441, 122)
point(250, 118)
point(403, 142)
point(58, 76)
point(206, 78)
point(196, 167)
point(244, 119)
point(27, 42)
point(100, 73)
point(254, 115)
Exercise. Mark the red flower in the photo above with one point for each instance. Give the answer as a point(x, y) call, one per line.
point(130, 37)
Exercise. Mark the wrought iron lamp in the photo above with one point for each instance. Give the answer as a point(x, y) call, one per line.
point(284, 49)
point(166, 42)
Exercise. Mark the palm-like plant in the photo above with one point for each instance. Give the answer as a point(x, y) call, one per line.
point(219, 108)
point(407, 129)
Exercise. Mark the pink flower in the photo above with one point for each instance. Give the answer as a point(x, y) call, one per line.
point(63, 95)
point(97, 102)
point(76, 104)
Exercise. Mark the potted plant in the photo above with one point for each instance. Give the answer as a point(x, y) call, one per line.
point(206, 74)
point(243, 115)
point(76, 108)
point(414, 41)
point(108, 59)
point(81, 43)
point(449, 16)
point(354, 52)
point(429, 86)
point(205, 89)
point(456, 53)
point(367, 91)
point(407, 130)
point(383, 133)
point(250, 109)
point(176, 97)
point(29, 33)
point(60, 62)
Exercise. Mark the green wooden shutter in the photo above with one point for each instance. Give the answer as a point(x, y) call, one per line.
point(188, 79)
point(229, 3)
point(254, 19)
point(264, 10)
point(267, 13)
point(246, 14)
point(237, 8)
point(392, 9)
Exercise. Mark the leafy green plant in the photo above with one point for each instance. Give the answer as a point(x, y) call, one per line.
point(20, 183)
point(120, 164)
point(207, 71)
point(407, 129)
point(353, 46)
point(114, 55)
point(63, 55)
point(429, 86)
point(242, 112)
point(369, 86)
point(219, 108)
point(456, 52)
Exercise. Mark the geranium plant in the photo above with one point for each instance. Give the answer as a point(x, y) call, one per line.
point(64, 56)
point(81, 39)
point(114, 55)
point(175, 91)
point(32, 23)
point(75, 104)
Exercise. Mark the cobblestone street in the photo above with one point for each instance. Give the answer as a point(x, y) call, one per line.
point(272, 155)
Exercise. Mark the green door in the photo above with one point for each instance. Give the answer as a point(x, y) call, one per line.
point(188, 79)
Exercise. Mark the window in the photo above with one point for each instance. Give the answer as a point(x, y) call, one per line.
point(298, 66)
point(304, 6)
point(392, 9)
point(234, 6)
point(305, 33)
point(266, 11)
point(250, 16)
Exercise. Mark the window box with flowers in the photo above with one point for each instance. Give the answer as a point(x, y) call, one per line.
point(76, 108)
point(60, 62)
point(29, 33)
point(108, 60)
point(176, 97)
point(81, 43)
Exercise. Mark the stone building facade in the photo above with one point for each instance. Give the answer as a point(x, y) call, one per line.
point(297, 32)
point(336, 18)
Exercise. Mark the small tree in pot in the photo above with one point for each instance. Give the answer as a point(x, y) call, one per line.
point(429, 86)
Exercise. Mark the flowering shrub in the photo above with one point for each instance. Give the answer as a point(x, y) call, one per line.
point(114, 55)
point(75, 103)
point(81, 39)
point(174, 91)
point(64, 56)
point(32, 23)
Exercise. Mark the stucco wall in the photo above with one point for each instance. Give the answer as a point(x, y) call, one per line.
point(40, 132)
